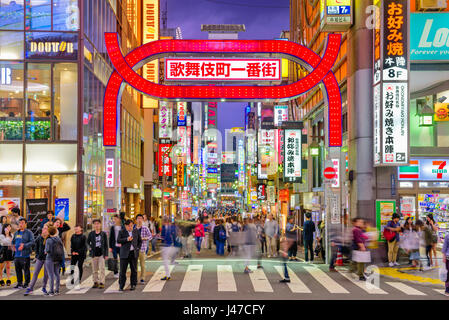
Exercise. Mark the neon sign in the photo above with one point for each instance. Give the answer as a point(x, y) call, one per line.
point(125, 67)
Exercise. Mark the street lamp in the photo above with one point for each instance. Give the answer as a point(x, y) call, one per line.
point(425, 114)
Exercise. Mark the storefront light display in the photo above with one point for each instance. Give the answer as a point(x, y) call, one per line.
point(438, 205)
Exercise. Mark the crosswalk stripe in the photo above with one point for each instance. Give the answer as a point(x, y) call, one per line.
point(295, 285)
point(406, 289)
point(331, 285)
point(441, 291)
point(259, 280)
point(156, 284)
point(86, 285)
point(192, 278)
point(226, 281)
point(114, 288)
point(7, 292)
point(368, 287)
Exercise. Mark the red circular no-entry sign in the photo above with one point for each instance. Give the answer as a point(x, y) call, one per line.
point(329, 173)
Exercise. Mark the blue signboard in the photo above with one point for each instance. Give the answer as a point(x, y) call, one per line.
point(429, 36)
point(62, 208)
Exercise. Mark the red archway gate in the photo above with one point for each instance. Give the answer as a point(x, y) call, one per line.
point(125, 65)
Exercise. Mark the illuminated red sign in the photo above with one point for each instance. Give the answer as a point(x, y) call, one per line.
point(321, 72)
point(164, 160)
point(222, 69)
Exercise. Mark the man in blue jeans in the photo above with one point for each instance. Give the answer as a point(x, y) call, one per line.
point(308, 230)
point(23, 242)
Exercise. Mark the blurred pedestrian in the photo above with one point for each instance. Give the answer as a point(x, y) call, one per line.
point(393, 244)
point(250, 242)
point(284, 248)
point(170, 246)
point(98, 245)
point(210, 230)
point(359, 248)
point(271, 228)
point(261, 236)
point(228, 226)
point(131, 243)
point(308, 230)
point(320, 238)
point(6, 253)
point(40, 262)
point(23, 242)
point(187, 239)
point(154, 231)
point(445, 253)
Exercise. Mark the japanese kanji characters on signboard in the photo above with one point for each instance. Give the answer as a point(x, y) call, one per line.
point(226, 69)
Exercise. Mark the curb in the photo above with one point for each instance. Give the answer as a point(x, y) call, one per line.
point(436, 283)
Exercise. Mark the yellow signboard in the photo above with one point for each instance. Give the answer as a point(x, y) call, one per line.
point(338, 2)
point(441, 112)
point(150, 71)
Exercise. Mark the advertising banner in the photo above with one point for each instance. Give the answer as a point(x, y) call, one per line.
point(164, 160)
point(228, 172)
point(62, 208)
point(165, 120)
point(425, 170)
point(261, 192)
point(6, 204)
point(182, 112)
point(271, 194)
point(384, 212)
point(36, 212)
point(180, 173)
point(150, 32)
point(292, 154)
point(205, 69)
point(395, 123)
point(429, 36)
point(280, 114)
point(109, 175)
point(390, 84)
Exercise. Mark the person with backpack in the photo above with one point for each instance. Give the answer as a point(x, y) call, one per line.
point(219, 237)
point(98, 244)
point(40, 262)
point(62, 228)
point(199, 235)
point(23, 242)
point(54, 254)
point(393, 239)
point(78, 247)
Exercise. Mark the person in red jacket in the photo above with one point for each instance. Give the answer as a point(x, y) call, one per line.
point(199, 234)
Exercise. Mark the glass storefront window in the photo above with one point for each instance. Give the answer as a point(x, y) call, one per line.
point(65, 81)
point(65, 15)
point(38, 15)
point(11, 157)
point(51, 157)
point(64, 197)
point(11, 14)
point(37, 187)
point(10, 192)
point(38, 119)
point(438, 205)
point(11, 101)
point(11, 45)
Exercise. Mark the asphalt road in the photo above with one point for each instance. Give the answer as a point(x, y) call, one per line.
point(222, 279)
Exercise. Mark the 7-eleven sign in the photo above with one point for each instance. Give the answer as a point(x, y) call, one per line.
point(440, 168)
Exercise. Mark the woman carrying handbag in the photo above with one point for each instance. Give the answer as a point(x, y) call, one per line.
point(360, 254)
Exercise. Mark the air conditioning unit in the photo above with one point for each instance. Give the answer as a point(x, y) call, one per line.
point(432, 4)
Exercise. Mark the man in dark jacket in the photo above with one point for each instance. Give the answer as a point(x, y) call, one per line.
point(219, 237)
point(130, 241)
point(114, 246)
point(23, 242)
point(50, 218)
point(78, 248)
point(309, 229)
point(98, 244)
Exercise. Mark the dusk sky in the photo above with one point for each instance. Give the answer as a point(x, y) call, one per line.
point(263, 19)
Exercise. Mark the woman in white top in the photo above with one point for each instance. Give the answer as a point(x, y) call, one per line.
point(6, 253)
